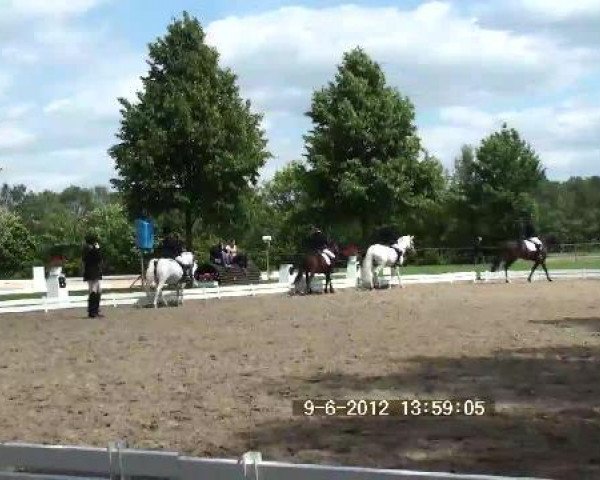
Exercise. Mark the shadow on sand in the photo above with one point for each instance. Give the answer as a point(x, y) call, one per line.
point(547, 421)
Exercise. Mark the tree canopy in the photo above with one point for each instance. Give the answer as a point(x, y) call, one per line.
point(190, 142)
point(497, 186)
point(365, 158)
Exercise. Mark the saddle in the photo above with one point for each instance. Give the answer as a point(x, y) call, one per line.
point(529, 246)
point(399, 256)
point(187, 270)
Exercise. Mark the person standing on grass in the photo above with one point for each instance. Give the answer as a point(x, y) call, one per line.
point(92, 273)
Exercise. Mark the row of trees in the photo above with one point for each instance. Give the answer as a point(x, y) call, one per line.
point(32, 223)
point(190, 148)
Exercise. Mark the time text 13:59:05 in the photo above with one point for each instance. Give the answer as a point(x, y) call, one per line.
point(475, 407)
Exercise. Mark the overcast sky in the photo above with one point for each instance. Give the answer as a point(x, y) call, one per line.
point(466, 65)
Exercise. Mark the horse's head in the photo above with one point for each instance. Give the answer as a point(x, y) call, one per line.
point(407, 243)
point(187, 258)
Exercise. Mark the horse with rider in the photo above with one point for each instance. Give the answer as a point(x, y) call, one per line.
point(529, 247)
point(172, 247)
point(320, 256)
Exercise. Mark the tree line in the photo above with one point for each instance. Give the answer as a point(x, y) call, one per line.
point(189, 150)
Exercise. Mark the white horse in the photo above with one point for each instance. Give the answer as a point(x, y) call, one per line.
point(166, 271)
point(379, 256)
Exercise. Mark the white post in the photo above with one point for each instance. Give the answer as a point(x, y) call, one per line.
point(55, 290)
point(268, 269)
point(39, 279)
point(284, 273)
point(351, 271)
point(267, 239)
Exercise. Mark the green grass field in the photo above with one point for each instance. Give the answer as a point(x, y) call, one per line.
point(558, 263)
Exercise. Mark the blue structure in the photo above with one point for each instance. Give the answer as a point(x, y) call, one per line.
point(144, 234)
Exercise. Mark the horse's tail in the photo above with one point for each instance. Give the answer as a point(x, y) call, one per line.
point(300, 272)
point(366, 271)
point(496, 263)
point(149, 274)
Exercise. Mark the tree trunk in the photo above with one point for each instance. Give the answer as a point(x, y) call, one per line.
point(189, 225)
point(365, 226)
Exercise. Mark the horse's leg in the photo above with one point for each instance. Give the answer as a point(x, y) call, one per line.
point(546, 270)
point(399, 277)
point(158, 293)
point(328, 280)
point(535, 265)
point(309, 279)
point(507, 265)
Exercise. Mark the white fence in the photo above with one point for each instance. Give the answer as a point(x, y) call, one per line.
point(341, 280)
point(43, 462)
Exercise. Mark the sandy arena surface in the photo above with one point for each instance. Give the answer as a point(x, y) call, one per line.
point(217, 377)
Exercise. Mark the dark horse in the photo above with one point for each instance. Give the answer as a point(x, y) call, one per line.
point(510, 252)
point(314, 263)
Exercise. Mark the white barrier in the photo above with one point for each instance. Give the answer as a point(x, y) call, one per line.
point(540, 275)
point(44, 462)
point(341, 280)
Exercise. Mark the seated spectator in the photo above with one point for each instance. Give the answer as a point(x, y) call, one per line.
point(231, 249)
point(223, 254)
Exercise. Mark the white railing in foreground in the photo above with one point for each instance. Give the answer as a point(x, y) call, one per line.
point(341, 281)
point(43, 462)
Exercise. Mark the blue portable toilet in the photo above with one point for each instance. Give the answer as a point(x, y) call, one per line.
point(144, 234)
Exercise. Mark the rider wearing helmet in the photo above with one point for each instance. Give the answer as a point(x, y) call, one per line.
point(317, 242)
point(92, 272)
point(172, 247)
point(530, 234)
point(389, 236)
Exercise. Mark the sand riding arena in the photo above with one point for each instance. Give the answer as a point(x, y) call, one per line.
point(217, 377)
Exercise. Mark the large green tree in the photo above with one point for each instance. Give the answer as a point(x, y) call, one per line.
point(498, 186)
point(571, 210)
point(365, 158)
point(190, 142)
point(461, 210)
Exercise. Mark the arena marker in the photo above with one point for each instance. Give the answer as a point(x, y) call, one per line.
point(251, 458)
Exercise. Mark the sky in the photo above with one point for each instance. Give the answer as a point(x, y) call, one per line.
point(468, 66)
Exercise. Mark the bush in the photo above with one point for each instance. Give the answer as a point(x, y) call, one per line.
point(17, 247)
point(430, 257)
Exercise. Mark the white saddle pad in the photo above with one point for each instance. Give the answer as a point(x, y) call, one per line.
point(530, 246)
point(327, 258)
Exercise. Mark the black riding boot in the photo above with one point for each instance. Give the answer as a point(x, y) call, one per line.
point(92, 305)
point(97, 305)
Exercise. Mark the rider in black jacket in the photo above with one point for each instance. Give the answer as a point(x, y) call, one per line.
point(318, 242)
point(530, 234)
point(91, 257)
point(172, 247)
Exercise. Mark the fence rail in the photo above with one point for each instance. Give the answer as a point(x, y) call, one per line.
point(19, 461)
point(342, 280)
